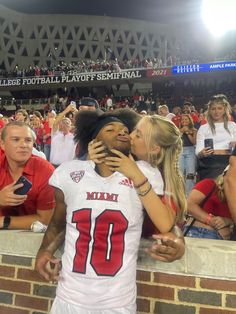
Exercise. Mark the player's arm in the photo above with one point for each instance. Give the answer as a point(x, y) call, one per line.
point(46, 264)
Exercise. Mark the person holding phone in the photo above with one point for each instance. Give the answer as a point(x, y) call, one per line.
point(215, 139)
point(25, 196)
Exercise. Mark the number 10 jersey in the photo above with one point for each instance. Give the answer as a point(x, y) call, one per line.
point(104, 219)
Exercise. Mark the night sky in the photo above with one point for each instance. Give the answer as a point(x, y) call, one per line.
point(161, 11)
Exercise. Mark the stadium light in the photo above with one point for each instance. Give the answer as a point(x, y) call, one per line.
point(219, 16)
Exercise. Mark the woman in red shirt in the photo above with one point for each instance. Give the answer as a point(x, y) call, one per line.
point(208, 205)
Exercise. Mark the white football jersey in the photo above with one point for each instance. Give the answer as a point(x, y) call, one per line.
point(103, 228)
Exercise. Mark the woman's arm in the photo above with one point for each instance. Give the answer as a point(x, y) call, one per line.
point(161, 215)
point(194, 202)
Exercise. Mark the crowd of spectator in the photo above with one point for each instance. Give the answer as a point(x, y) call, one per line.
point(112, 64)
point(202, 166)
point(201, 132)
point(82, 66)
point(214, 122)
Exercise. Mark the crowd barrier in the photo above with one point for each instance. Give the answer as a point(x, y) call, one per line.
point(202, 282)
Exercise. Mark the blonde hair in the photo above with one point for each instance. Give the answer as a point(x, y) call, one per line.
point(220, 185)
point(162, 132)
point(221, 100)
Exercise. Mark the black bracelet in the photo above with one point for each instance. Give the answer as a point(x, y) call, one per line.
point(6, 222)
point(146, 191)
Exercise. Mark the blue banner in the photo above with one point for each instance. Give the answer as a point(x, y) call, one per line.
point(204, 67)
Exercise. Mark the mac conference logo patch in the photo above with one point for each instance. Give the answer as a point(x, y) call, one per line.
point(76, 176)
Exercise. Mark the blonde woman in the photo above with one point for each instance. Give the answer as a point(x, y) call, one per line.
point(157, 142)
point(215, 139)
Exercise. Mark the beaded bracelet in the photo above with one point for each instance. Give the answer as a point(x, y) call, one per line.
point(141, 184)
point(146, 191)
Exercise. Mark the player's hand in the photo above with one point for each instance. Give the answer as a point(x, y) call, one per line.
point(170, 248)
point(125, 165)
point(9, 198)
point(48, 266)
point(96, 151)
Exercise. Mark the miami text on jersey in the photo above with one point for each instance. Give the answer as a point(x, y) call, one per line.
point(102, 196)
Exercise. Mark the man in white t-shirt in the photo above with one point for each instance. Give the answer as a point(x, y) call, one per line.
point(62, 140)
point(109, 102)
point(164, 112)
point(103, 216)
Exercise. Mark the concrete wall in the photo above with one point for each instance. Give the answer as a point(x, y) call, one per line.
point(202, 282)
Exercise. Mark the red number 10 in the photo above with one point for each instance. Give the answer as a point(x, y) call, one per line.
point(108, 241)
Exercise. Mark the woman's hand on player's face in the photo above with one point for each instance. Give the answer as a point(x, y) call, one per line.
point(96, 151)
point(126, 165)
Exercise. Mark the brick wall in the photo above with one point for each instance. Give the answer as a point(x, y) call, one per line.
point(178, 294)
point(202, 282)
point(22, 291)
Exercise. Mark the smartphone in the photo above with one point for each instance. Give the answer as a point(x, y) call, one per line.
point(208, 143)
point(25, 188)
